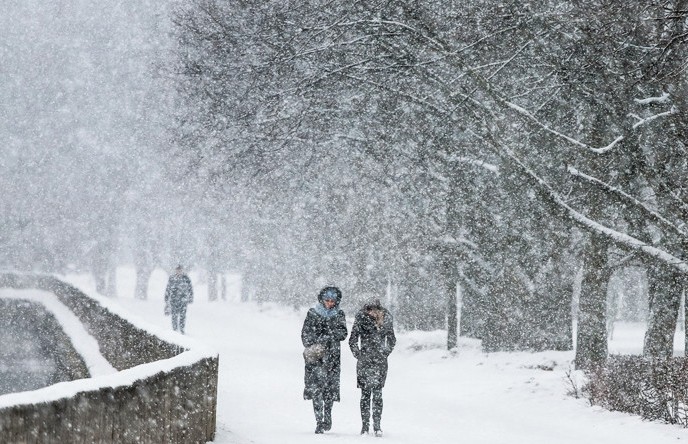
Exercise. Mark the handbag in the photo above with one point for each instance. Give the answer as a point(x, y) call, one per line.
point(313, 353)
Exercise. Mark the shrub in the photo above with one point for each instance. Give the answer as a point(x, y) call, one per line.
point(656, 389)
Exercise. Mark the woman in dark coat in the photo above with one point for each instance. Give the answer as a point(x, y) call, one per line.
point(374, 327)
point(323, 330)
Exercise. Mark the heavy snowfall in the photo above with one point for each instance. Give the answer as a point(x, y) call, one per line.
point(507, 178)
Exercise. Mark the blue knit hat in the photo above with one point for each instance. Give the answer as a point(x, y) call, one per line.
point(330, 294)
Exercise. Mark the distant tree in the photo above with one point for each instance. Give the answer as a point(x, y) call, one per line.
point(567, 115)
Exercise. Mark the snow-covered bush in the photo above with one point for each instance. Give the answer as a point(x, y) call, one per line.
point(656, 389)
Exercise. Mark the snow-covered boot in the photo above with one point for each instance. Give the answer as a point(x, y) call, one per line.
point(319, 415)
point(327, 420)
point(376, 426)
point(365, 412)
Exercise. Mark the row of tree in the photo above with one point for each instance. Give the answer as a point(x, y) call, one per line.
point(418, 151)
point(417, 146)
point(85, 112)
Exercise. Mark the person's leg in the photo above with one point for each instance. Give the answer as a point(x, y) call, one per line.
point(327, 414)
point(318, 410)
point(182, 318)
point(174, 314)
point(365, 410)
point(377, 409)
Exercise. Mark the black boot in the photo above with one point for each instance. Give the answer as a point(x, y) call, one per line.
point(365, 411)
point(327, 420)
point(318, 410)
point(377, 411)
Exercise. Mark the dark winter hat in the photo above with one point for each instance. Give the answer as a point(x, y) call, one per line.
point(373, 304)
point(330, 293)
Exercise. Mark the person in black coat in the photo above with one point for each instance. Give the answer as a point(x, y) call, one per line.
point(178, 294)
point(372, 340)
point(323, 329)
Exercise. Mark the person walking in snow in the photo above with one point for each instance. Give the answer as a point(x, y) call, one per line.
point(323, 329)
point(178, 294)
point(372, 340)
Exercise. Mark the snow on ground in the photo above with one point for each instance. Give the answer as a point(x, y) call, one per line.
point(431, 396)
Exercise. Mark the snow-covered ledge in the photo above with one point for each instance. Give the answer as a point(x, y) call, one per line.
point(165, 389)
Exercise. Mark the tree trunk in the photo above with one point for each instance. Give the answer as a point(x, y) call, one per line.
point(101, 282)
point(665, 287)
point(112, 282)
point(685, 323)
point(472, 313)
point(592, 347)
point(212, 285)
point(245, 295)
point(452, 315)
point(143, 275)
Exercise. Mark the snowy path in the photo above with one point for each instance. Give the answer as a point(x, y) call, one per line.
point(430, 397)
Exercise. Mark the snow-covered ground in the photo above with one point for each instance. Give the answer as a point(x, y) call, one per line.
point(431, 396)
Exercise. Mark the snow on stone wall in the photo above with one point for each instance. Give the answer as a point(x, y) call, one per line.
point(165, 389)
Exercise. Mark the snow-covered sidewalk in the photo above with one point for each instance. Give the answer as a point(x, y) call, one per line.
point(431, 397)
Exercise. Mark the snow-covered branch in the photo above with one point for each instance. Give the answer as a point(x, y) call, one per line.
point(522, 111)
point(480, 163)
point(649, 100)
point(643, 120)
point(653, 215)
point(557, 202)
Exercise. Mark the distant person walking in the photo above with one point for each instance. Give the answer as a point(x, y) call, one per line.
point(323, 329)
point(374, 329)
point(178, 294)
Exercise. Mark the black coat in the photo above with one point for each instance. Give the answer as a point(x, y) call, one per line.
point(179, 291)
point(375, 346)
point(322, 377)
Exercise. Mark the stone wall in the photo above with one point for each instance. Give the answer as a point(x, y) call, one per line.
point(35, 351)
point(174, 405)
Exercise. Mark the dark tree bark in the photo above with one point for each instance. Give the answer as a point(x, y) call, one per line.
point(665, 289)
point(592, 347)
point(449, 283)
point(472, 313)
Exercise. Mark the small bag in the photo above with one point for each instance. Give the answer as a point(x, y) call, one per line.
point(314, 353)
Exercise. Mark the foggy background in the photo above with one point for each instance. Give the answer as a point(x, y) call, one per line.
point(320, 143)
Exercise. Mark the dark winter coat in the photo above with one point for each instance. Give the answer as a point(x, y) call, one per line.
point(179, 292)
point(376, 343)
point(322, 377)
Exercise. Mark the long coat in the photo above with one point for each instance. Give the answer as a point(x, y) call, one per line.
point(376, 343)
point(179, 292)
point(322, 377)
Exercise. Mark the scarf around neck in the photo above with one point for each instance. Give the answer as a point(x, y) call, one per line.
point(324, 312)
